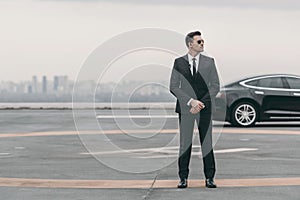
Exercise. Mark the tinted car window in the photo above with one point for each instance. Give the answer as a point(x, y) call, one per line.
point(252, 83)
point(275, 82)
point(294, 83)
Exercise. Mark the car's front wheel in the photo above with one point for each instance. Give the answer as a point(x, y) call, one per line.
point(243, 114)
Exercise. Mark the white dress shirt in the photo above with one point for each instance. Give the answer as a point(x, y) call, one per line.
point(190, 57)
point(191, 62)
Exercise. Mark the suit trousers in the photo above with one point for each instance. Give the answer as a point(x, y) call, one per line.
point(186, 126)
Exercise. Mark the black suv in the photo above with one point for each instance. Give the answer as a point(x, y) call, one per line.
point(261, 98)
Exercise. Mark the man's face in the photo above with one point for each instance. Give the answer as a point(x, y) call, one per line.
point(197, 44)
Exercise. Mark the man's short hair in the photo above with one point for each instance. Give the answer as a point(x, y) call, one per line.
point(189, 37)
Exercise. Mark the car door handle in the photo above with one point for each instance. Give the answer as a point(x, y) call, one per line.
point(296, 94)
point(259, 92)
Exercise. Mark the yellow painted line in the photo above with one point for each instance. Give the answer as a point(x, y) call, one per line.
point(163, 131)
point(234, 182)
point(55, 183)
point(260, 131)
point(50, 133)
point(92, 132)
point(143, 184)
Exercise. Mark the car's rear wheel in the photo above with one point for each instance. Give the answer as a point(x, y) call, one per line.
point(243, 114)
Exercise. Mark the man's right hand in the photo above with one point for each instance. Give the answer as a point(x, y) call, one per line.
point(197, 104)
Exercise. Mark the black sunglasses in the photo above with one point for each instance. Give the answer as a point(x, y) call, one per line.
point(200, 41)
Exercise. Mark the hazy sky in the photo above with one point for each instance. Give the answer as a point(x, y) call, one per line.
point(246, 37)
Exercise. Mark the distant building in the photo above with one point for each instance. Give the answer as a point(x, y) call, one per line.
point(44, 84)
point(60, 84)
point(34, 84)
point(65, 83)
point(55, 83)
point(29, 89)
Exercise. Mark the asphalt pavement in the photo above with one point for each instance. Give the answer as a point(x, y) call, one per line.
point(47, 154)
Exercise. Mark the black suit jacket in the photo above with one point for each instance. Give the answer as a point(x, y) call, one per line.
point(203, 87)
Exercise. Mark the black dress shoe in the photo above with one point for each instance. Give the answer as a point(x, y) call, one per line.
point(182, 183)
point(209, 183)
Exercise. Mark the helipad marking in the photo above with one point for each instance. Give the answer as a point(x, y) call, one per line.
point(4, 154)
point(164, 150)
point(91, 132)
point(175, 154)
point(142, 184)
point(163, 131)
point(135, 116)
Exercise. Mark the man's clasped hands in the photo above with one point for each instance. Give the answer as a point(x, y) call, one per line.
point(197, 106)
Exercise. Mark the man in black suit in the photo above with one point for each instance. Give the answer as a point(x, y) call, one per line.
point(195, 83)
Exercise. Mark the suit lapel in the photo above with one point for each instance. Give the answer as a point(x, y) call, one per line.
point(201, 65)
point(187, 67)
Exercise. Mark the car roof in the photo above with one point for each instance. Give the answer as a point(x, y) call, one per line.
point(261, 76)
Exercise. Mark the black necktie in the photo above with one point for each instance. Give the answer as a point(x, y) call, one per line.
point(194, 67)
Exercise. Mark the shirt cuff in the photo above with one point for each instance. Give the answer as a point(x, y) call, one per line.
point(189, 102)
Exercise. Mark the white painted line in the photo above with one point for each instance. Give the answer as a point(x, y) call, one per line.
point(172, 150)
point(4, 154)
point(126, 151)
point(236, 150)
point(244, 139)
point(19, 147)
point(135, 116)
point(200, 154)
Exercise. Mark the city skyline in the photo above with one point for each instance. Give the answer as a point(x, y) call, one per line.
point(61, 89)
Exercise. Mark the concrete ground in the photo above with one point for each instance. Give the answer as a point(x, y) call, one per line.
point(42, 156)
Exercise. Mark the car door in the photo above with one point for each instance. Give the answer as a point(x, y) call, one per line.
point(294, 100)
point(275, 94)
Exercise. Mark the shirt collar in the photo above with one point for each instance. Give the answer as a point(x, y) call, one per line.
point(190, 57)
